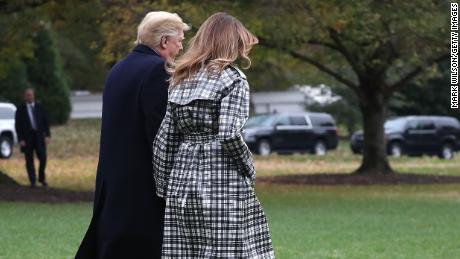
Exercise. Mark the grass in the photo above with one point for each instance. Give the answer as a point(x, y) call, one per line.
point(364, 222)
point(73, 156)
point(407, 221)
point(305, 222)
point(41, 230)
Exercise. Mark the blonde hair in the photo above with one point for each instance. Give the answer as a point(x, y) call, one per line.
point(220, 40)
point(156, 25)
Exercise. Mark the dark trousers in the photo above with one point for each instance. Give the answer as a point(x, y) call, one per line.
point(35, 144)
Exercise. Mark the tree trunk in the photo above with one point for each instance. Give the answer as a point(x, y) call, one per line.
point(373, 106)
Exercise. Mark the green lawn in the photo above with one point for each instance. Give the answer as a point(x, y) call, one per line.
point(34, 230)
point(305, 222)
point(407, 221)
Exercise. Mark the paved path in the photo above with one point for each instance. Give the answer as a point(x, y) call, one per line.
point(88, 106)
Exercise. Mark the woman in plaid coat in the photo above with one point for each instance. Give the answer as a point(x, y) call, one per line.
point(202, 166)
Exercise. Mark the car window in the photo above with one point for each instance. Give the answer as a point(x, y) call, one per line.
point(412, 125)
point(449, 124)
point(298, 120)
point(256, 121)
point(269, 121)
point(425, 125)
point(284, 120)
point(6, 113)
point(398, 124)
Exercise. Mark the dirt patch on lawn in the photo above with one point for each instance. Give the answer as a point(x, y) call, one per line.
point(12, 191)
point(354, 179)
point(40, 194)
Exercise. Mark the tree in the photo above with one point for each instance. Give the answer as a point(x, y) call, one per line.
point(345, 110)
point(79, 41)
point(45, 75)
point(19, 21)
point(427, 97)
point(13, 86)
point(375, 48)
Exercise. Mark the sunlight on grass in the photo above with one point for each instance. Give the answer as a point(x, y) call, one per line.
point(73, 156)
point(68, 173)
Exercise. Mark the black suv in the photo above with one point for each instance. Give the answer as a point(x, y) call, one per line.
point(417, 135)
point(291, 132)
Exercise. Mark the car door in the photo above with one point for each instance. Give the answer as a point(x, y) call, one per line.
point(280, 135)
point(411, 137)
point(428, 136)
point(421, 136)
point(301, 135)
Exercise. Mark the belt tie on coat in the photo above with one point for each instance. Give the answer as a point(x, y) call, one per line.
point(200, 138)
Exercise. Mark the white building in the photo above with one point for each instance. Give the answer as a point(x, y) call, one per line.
point(296, 99)
point(279, 101)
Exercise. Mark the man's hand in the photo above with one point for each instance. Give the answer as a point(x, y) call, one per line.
point(22, 143)
point(47, 140)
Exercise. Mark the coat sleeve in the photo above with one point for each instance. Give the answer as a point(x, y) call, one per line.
point(234, 111)
point(154, 97)
point(165, 147)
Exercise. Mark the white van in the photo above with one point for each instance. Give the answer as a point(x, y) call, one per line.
point(8, 135)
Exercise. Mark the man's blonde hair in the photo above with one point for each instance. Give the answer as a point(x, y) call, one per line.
point(156, 25)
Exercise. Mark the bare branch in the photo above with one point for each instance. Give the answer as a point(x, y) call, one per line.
point(311, 61)
point(344, 51)
point(323, 68)
point(264, 42)
point(412, 74)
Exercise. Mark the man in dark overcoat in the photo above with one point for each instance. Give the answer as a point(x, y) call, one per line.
point(33, 130)
point(127, 217)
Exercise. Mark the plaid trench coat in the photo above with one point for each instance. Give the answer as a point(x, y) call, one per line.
point(204, 170)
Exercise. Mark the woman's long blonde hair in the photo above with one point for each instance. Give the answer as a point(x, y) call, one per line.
point(219, 42)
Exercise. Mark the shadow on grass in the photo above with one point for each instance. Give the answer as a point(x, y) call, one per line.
point(10, 190)
point(6, 180)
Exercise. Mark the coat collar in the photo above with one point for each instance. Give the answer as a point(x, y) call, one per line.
point(206, 86)
point(145, 49)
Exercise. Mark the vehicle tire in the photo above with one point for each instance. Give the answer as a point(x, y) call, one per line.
point(6, 147)
point(395, 149)
point(264, 148)
point(319, 148)
point(446, 152)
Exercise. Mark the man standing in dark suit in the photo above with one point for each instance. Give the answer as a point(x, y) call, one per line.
point(127, 217)
point(33, 132)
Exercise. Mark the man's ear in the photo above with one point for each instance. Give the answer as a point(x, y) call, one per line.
point(163, 42)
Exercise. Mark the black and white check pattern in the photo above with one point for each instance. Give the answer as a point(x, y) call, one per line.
point(205, 171)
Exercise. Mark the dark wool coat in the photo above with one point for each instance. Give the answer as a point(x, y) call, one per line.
point(24, 126)
point(128, 217)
